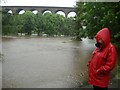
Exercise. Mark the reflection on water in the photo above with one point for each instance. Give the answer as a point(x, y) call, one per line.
point(45, 62)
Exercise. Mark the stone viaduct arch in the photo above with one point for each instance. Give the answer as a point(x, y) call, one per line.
point(16, 9)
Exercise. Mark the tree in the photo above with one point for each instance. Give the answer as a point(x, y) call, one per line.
point(7, 23)
point(50, 24)
point(29, 22)
point(96, 16)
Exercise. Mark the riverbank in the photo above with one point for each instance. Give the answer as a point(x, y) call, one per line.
point(22, 37)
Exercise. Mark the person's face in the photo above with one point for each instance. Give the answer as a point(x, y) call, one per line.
point(100, 41)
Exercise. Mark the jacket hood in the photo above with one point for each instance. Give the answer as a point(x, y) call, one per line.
point(103, 34)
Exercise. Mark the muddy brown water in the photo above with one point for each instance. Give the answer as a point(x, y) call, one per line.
point(45, 62)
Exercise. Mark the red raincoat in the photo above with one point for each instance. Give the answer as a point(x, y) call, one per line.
point(102, 62)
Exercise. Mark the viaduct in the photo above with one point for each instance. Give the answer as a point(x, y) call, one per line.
point(42, 9)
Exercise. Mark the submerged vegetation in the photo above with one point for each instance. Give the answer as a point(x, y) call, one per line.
point(39, 24)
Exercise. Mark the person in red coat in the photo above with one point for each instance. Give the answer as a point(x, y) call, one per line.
point(103, 60)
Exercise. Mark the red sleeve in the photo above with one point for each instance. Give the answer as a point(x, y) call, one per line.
point(110, 63)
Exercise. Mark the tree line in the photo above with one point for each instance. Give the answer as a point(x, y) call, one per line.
point(29, 23)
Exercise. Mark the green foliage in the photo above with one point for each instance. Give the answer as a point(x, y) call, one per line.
point(95, 16)
point(117, 40)
point(8, 27)
point(117, 36)
point(28, 23)
point(118, 72)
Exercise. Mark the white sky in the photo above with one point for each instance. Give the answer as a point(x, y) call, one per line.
point(61, 3)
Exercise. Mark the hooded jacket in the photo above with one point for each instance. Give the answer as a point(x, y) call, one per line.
point(102, 62)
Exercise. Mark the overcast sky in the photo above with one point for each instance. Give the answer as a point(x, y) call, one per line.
point(61, 3)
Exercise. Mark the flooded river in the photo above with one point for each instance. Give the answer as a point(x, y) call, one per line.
point(45, 62)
